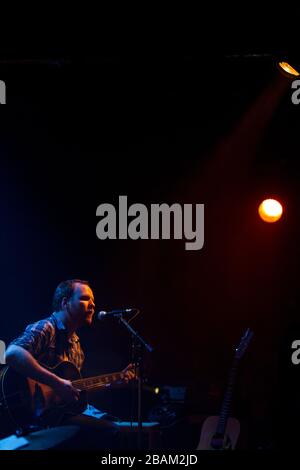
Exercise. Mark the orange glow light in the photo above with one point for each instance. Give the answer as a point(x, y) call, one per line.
point(288, 69)
point(270, 210)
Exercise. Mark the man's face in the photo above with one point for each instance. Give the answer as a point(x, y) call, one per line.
point(82, 304)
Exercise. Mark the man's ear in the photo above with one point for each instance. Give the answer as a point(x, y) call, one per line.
point(64, 303)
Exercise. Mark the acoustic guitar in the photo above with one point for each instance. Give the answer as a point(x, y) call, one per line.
point(222, 432)
point(25, 402)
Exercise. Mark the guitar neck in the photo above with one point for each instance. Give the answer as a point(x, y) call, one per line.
point(239, 352)
point(100, 381)
point(227, 400)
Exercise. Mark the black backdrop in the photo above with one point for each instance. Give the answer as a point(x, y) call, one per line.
point(82, 130)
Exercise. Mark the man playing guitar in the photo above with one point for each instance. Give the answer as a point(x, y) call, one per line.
point(53, 340)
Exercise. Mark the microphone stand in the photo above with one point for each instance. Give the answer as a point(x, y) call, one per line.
point(138, 346)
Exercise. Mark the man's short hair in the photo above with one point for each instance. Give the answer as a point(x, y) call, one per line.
point(65, 290)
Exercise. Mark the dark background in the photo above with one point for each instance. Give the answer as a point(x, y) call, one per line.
point(213, 125)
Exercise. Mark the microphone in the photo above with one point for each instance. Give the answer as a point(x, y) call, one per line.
point(115, 313)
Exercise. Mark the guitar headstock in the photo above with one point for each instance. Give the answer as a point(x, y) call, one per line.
point(244, 343)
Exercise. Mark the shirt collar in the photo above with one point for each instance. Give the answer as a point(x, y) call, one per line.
point(74, 338)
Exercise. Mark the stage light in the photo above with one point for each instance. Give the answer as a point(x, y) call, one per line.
point(288, 70)
point(270, 210)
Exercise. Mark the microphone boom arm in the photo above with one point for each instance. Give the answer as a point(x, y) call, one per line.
point(135, 334)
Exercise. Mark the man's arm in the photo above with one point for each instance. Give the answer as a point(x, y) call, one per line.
point(24, 363)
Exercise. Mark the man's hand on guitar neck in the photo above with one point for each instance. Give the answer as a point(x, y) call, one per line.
point(129, 372)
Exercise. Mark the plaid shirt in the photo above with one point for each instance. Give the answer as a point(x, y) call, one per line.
point(47, 340)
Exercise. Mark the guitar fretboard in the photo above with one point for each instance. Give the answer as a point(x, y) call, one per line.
point(99, 381)
point(227, 399)
point(246, 338)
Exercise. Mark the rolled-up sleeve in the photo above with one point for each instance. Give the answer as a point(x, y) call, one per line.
point(36, 338)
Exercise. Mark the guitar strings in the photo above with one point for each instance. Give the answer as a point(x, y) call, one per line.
point(78, 382)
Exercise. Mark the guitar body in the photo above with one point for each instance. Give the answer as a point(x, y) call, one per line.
point(210, 440)
point(25, 402)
